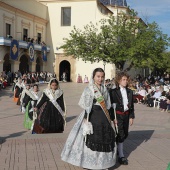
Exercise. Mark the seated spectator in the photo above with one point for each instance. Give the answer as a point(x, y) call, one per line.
point(132, 87)
point(156, 96)
point(146, 85)
point(163, 103)
point(141, 95)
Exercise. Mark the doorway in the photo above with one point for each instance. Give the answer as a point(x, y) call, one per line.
point(64, 67)
point(24, 65)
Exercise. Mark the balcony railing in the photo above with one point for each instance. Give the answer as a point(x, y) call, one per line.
point(22, 44)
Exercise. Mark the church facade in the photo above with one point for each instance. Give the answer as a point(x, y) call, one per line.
point(53, 24)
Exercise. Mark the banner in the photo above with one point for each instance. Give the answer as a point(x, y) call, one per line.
point(14, 50)
point(44, 53)
point(31, 51)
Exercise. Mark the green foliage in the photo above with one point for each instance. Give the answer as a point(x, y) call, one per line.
point(119, 39)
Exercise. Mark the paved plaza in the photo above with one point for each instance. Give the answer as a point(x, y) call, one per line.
point(147, 147)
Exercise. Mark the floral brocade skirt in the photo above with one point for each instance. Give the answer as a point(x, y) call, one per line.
point(77, 153)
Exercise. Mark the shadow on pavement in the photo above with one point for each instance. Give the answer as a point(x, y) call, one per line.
point(11, 116)
point(3, 139)
point(134, 140)
point(68, 119)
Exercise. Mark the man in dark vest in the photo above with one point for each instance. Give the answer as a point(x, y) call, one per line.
point(122, 98)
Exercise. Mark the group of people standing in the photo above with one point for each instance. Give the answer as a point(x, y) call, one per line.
point(99, 132)
point(44, 112)
point(79, 79)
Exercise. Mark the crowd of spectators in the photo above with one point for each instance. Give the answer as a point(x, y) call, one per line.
point(10, 78)
point(32, 40)
point(35, 41)
point(154, 91)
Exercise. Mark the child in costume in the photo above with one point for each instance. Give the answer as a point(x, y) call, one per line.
point(29, 102)
point(122, 99)
point(51, 110)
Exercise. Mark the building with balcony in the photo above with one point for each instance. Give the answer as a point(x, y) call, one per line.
point(51, 21)
point(22, 32)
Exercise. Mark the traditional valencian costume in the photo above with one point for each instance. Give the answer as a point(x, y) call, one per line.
point(24, 93)
point(51, 112)
point(29, 102)
point(122, 101)
point(17, 91)
point(91, 143)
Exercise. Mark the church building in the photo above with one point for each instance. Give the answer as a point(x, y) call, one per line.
point(32, 32)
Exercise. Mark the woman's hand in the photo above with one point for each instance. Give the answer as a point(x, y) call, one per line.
point(131, 121)
point(115, 121)
point(35, 109)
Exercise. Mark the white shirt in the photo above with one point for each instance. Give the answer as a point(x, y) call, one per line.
point(142, 92)
point(157, 94)
point(125, 99)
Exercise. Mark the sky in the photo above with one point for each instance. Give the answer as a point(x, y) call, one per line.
point(153, 10)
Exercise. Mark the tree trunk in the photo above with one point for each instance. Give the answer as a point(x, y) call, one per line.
point(130, 66)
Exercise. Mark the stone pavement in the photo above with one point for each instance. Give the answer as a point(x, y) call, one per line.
point(147, 147)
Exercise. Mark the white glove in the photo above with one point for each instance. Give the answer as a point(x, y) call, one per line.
point(23, 109)
point(34, 116)
point(87, 128)
point(32, 103)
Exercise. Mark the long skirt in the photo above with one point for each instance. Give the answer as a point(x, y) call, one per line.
point(163, 104)
point(27, 121)
point(76, 152)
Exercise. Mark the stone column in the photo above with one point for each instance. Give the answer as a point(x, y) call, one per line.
point(14, 65)
point(1, 65)
point(44, 66)
point(32, 67)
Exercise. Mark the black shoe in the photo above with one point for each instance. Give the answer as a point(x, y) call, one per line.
point(123, 161)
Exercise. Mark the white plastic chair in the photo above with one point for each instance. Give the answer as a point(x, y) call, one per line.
point(156, 102)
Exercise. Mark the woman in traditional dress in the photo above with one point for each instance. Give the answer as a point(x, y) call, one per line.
point(91, 143)
point(79, 79)
point(24, 95)
point(51, 110)
point(17, 91)
point(86, 79)
point(30, 101)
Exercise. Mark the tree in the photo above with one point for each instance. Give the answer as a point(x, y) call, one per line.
point(118, 40)
point(164, 65)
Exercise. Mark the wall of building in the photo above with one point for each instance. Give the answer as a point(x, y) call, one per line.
point(82, 13)
point(22, 14)
point(30, 6)
point(20, 19)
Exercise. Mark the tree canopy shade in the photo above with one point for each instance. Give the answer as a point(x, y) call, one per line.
point(117, 40)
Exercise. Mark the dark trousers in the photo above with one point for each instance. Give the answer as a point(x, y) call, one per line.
point(123, 127)
point(150, 102)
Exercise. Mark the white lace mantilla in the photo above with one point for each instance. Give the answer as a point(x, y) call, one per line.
point(56, 94)
point(86, 99)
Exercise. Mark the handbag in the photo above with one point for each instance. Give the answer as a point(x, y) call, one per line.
point(37, 128)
